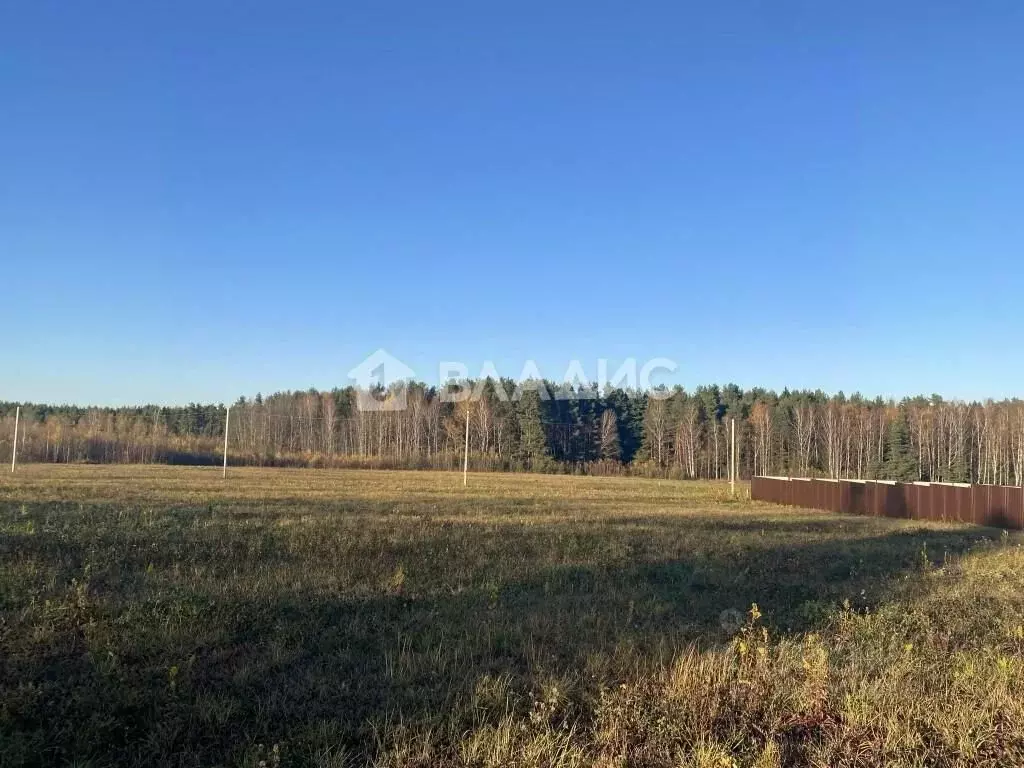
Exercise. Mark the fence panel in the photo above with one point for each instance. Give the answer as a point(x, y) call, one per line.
point(979, 504)
point(946, 495)
point(803, 493)
point(1015, 506)
point(859, 502)
point(912, 494)
point(999, 506)
point(819, 489)
point(963, 503)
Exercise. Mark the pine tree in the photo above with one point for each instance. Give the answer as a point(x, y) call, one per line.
point(899, 458)
point(533, 441)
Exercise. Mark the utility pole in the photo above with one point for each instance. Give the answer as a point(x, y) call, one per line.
point(227, 424)
point(14, 449)
point(465, 460)
point(732, 461)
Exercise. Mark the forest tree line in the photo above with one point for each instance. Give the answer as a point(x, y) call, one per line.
point(668, 433)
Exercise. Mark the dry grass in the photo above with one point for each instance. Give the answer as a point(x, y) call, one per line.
point(291, 617)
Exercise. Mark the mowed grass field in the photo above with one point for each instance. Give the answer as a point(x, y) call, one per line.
point(164, 616)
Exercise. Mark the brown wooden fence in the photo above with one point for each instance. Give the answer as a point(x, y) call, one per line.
point(999, 506)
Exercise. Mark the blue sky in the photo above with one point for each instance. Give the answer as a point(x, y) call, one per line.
point(204, 199)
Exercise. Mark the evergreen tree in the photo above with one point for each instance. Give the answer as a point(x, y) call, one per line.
point(533, 441)
point(899, 459)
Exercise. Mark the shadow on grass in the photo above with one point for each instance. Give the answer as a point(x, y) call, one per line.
point(128, 673)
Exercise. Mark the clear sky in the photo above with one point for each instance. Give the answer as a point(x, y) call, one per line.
point(205, 199)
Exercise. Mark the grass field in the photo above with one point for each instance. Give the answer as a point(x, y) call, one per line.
point(164, 616)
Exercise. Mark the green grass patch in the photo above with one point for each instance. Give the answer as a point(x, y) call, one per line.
point(164, 616)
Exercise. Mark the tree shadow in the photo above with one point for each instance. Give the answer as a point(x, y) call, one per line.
point(142, 671)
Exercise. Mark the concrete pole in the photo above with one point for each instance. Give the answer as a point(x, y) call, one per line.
point(732, 462)
point(227, 424)
point(14, 450)
point(465, 460)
